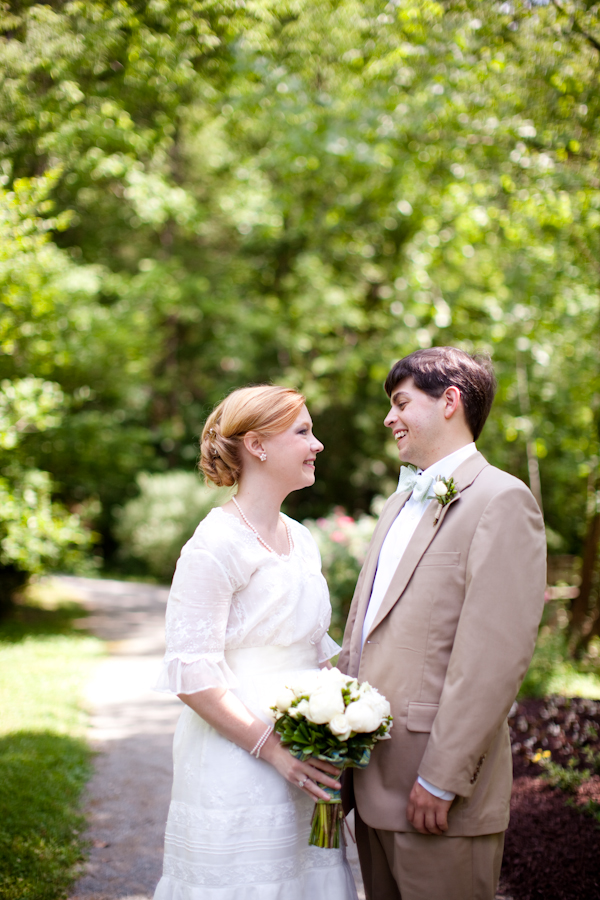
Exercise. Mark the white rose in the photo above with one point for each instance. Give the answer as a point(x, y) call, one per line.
point(440, 489)
point(339, 726)
point(354, 689)
point(285, 698)
point(373, 698)
point(302, 709)
point(325, 703)
point(306, 682)
point(383, 706)
point(362, 716)
point(296, 688)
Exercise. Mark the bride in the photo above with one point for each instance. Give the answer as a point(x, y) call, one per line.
point(248, 608)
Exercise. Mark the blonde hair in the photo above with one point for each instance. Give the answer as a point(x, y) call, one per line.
point(265, 408)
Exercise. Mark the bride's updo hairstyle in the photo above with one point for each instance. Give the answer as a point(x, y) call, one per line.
point(266, 409)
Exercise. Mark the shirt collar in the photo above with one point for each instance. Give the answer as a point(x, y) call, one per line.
point(444, 468)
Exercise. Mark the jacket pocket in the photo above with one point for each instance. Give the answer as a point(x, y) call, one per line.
point(446, 558)
point(421, 716)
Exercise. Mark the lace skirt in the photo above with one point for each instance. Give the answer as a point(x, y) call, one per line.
point(236, 829)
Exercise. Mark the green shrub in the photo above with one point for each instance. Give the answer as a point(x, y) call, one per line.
point(343, 542)
point(592, 757)
point(153, 527)
point(36, 534)
point(589, 808)
point(552, 671)
point(567, 778)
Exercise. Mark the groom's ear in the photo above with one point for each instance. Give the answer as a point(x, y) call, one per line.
point(452, 401)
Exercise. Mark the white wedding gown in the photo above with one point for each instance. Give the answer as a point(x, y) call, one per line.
point(241, 617)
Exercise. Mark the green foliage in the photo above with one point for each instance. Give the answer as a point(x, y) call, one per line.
point(36, 535)
point(551, 670)
point(301, 191)
point(45, 761)
point(153, 527)
point(588, 807)
point(343, 542)
point(592, 757)
point(49, 317)
point(567, 778)
point(306, 739)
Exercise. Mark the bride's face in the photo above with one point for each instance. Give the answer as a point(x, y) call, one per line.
point(291, 454)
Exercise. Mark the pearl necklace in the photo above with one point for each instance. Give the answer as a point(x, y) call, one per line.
point(262, 540)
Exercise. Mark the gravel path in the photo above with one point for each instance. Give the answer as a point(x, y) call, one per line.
point(132, 731)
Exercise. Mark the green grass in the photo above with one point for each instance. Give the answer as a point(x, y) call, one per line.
point(45, 762)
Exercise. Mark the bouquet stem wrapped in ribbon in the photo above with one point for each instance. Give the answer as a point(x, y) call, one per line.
point(332, 717)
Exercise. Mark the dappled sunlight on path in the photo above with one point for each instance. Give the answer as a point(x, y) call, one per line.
point(132, 730)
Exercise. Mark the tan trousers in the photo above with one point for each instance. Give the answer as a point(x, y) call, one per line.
point(411, 866)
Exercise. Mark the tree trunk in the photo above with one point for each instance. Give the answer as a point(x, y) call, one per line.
point(580, 608)
point(11, 582)
point(533, 466)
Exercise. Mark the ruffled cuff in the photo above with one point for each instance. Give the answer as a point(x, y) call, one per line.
point(179, 677)
point(326, 648)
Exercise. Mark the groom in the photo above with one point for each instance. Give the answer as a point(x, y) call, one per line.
point(443, 622)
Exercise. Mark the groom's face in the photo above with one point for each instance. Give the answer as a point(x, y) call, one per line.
point(416, 420)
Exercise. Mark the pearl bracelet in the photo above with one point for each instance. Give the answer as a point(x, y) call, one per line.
point(261, 742)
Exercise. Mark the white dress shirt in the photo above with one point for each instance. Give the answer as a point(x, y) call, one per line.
point(395, 543)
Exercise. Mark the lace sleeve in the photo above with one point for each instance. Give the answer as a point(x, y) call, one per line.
point(196, 623)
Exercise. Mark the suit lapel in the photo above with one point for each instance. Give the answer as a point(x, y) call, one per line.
point(419, 542)
point(388, 514)
point(425, 532)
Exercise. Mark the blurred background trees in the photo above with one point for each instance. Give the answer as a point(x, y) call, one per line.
point(198, 195)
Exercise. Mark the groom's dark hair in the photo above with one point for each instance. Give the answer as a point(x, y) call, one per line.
point(438, 368)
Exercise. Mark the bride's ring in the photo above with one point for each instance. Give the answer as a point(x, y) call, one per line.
point(303, 781)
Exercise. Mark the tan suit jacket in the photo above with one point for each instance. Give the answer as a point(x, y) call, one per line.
point(449, 648)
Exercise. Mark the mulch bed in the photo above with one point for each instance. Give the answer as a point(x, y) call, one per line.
point(552, 849)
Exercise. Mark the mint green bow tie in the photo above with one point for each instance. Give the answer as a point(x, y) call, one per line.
point(420, 485)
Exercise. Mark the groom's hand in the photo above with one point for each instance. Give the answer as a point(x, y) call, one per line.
point(426, 813)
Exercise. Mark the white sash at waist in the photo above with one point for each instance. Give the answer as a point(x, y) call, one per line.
point(264, 671)
point(272, 659)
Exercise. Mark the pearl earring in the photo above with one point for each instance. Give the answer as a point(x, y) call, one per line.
point(263, 456)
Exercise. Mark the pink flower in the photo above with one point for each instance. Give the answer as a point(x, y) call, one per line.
point(345, 520)
point(338, 536)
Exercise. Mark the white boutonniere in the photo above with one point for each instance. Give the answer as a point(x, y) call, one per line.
point(444, 490)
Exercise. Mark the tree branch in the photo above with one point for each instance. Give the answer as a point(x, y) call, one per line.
point(577, 27)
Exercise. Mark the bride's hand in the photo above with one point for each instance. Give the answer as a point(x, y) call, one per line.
point(303, 774)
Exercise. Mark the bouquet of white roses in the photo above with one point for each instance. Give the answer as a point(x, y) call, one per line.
point(332, 717)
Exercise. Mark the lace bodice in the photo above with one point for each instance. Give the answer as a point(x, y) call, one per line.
point(229, 592)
